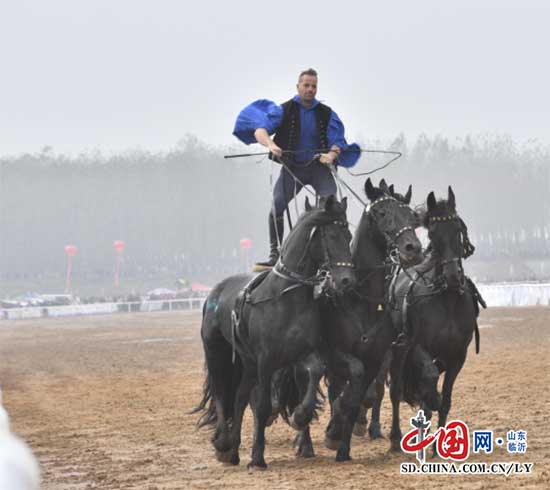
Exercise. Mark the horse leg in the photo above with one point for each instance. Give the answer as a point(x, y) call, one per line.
point(376, 400)
point(373, 399)
point(396, 389)
point(305, 444)
point(428, 416)
point(242, 397)
point(448, 383)
point(358, 386)
point(360, 427)
point(220, 372)
point(339, 375)
point(307, 376)
point(346, 406)
point(374, 427)
point(307, 373)
point(335, 387)
point(262, 411)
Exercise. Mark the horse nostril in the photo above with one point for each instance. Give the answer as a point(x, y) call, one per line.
point(409, 247)
point(345, 281)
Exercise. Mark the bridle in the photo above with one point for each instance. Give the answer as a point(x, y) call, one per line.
point(392, 260)
point(390, 237)
point(456, 259)
point(438, 283)
point(323, 275)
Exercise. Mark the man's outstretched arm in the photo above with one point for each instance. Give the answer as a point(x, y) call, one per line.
point(264, 139)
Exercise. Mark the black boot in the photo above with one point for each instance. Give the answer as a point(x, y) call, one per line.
point(273, 244)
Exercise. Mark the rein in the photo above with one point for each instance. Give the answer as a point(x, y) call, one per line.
point(392, 260)
point(438, 285)
point(320, 278)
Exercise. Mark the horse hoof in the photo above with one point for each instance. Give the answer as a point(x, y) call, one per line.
point(343, 457)
point(395, 447)
point(332, 444)
point(375, 434)
point(222, 444)
point(261, 466)
point(306, 453)
point(359, 430)
point(223, 456)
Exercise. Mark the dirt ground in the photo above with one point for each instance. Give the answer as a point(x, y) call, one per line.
point(103, 402)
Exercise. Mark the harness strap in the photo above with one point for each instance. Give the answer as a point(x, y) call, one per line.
point(404, 312)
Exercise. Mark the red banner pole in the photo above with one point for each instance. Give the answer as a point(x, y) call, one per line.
point(117, 270)
point(68, 279)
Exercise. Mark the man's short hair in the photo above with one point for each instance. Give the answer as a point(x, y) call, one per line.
point(309, 71)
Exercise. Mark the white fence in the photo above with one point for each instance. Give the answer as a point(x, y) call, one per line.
point(512, 294)
point(188, 304)
point(526, 294)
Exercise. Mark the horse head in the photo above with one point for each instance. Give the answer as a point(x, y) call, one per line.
point(448, 238)
point(390, 214)
point(319, 245)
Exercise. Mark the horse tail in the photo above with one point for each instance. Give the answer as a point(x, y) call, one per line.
point(232, 374)
point(476, 332)
point(222, 375)
point(287, 392)
point(206, 404)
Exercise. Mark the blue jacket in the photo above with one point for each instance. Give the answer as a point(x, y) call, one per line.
point(266, 114)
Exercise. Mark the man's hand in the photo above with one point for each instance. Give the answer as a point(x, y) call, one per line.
point(328, 158)
point(263, 138)
point(273, 148)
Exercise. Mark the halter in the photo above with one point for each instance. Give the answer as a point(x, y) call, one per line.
point(450, 217)
point(391, 238)
point(323, 274)
point(392, 261)
point(457, 260)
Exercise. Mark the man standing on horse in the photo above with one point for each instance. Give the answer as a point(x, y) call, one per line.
point(309, 140)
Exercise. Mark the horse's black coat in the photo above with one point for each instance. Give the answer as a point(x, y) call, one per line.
point(275, 330)
point(357, 328)
point(440, 320)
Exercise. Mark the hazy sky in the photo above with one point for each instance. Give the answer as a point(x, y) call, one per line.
point(115, 74)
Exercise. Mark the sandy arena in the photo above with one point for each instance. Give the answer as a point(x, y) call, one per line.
point(103, 401)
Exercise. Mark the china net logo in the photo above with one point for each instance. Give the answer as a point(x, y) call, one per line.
point(452, 443)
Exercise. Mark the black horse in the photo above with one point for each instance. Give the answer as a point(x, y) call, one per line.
point(436, 309)
point(375, 392)
point(357, 329)
point(275, 325)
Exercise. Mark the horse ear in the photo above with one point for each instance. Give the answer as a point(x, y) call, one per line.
point(431, 201)
point(308, 206)
point(369, 189)
point(408, 195)
point(392, 190)
point(384, 186)
point(329, 203)
point(451, 198)
point(344, 204)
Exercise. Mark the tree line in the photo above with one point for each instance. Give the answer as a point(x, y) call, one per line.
point(184, 211)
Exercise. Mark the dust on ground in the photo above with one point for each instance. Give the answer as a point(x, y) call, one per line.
point(104, 403)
